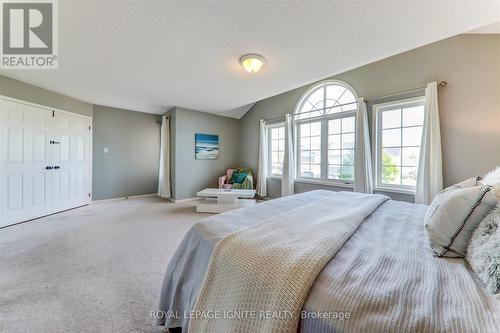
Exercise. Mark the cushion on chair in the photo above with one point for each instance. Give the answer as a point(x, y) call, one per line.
point(247, 170)
point(238, 177)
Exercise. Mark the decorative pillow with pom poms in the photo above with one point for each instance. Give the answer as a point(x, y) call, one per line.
point(493, 178)
point(483, 253)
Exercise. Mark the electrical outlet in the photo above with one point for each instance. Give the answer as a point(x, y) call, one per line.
point(105, 150)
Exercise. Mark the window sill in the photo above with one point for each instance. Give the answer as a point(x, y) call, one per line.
point(323, 182)
point(317, 182)
point(394, 190)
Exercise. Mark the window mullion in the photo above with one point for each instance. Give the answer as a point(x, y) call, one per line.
point(379, 148)
point(270, 152)
point(324, 149)
point(401, 149)
point(297, 151)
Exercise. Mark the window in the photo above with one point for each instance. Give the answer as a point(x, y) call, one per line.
point(326, 122)
point(277, 149)
point(398, 132)
point(310, 149)
point(341, 148)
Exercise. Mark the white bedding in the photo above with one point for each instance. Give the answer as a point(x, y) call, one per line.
point(384, 276)
point(270, 267)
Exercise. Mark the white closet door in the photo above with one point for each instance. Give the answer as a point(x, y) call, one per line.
point(45, 161)
point(25, 181)
point(70, 156)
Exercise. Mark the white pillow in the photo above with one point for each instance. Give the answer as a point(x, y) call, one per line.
point(467, 183)
point(453, 216)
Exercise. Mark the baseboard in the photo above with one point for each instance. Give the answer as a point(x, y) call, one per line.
point(142, 196)
point(184, 200)
point(125, 198)
point(147, 195)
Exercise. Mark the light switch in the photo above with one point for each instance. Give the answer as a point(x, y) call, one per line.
point(105, 150)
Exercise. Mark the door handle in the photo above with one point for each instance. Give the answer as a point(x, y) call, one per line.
point(49, 168)
point(52, 142)
point(57, 167)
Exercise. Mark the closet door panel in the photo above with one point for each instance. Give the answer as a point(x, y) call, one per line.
point(24, 179)
point(15, 145)
point(39, 195)
point(15, 192)
point(71, 185)
point(39, 144)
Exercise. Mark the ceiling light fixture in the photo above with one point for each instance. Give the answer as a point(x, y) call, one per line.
point(252, 63)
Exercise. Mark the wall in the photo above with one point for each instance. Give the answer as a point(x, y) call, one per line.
point(131, 165)
point(188, 174)
point(27, 92)
point(133, 140)
point(469, 105)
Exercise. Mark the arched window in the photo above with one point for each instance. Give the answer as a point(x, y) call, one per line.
point(326, 125)
point(326, 98)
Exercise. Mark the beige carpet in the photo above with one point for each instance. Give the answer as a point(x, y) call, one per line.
point(94, 269)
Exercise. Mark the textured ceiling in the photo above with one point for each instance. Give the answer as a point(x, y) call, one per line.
point(152, 55)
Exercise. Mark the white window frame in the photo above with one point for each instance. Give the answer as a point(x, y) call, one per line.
point(324, 148)
point(324, 136)
point(377, 142)
point(270, 150)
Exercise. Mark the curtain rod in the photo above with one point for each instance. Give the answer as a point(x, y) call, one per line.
point(160, 120)
point(440, 84)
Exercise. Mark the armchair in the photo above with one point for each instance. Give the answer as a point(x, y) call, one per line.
point(226, 180)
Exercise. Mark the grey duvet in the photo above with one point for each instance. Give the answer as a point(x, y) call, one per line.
point(383, 279)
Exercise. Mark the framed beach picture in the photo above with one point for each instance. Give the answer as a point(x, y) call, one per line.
point(206, 146)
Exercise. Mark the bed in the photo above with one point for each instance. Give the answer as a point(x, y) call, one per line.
point(384, 277)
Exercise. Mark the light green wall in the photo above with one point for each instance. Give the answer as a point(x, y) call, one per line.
point(131, 165)
point(28, 92)
point(469, 105)
point(190, 175)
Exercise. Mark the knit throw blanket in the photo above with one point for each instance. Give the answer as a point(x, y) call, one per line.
point(258, 278)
